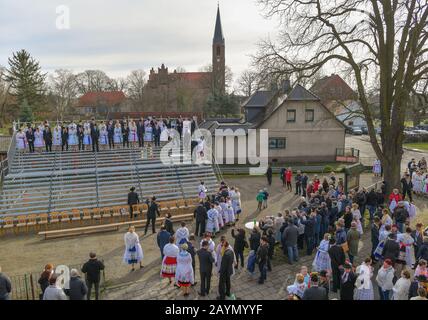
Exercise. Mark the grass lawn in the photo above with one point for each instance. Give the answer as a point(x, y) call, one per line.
point(418, 145)
point(4, 131)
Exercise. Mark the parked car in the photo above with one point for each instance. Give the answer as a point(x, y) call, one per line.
point(365, 130)
point(357, 131)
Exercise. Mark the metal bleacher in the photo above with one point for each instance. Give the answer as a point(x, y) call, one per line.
point(39, 183)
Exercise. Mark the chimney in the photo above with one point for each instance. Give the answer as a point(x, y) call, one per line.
point(286, 86)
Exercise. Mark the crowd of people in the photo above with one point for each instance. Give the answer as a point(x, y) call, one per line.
point(414, 179)
point(87, 135)
point(326, 222)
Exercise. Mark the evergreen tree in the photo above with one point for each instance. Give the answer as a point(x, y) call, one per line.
point(26, 80)
point(222, 105)
point(26, 114)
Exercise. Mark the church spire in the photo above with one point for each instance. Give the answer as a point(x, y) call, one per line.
point(218, 33)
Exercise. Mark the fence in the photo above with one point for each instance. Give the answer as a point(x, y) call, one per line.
point(26, 286)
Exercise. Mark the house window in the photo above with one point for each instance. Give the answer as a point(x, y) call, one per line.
point(309, 115)
point(291, 115)
point(277, 143)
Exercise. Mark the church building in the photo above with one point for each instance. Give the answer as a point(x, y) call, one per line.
point(167, 91)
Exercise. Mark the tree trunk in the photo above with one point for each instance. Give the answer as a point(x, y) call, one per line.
point(392, 167)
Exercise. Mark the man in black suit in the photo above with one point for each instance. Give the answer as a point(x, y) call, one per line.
point(140, 132)
point(201, 217)
point(151, 215)
point(418, 236)
point(132, 199)
point(226, 270)
point(206, 261)
point(64, 138)
point(347, 283)
point(315, 292)
point(80, 136)
point(95, 136)
point(110, 134)
point(337, 257)
point(30, 138)
point(47, 137)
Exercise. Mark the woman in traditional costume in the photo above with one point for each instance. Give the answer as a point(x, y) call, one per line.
point(212, 221)
point(21, 141)
point(236, 202)
point(38, 140)
point(133, 251)
point(57, 138)
point(87, 139)
point(133, 135)
point(72, 135)
point(322, 258)
point(184, 275)
point(169, 262)
point(103, 136)
point(117, 137)
point(364, 283)
point(377, 169)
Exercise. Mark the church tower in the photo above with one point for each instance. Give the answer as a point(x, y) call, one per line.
point(219, 57)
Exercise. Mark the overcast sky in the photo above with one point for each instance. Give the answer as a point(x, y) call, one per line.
point(118, 36)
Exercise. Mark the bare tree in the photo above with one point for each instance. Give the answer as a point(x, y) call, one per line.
point(248, 82)
point(92, 81)
point(118, 84)
point(136, 82)
point(380, 43)
point(63, 87)
point(210, 81)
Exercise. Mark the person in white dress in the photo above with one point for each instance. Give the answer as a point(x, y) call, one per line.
point(38, 140)
point(356, 215)
point(377, 169)
point(364, 284)
point(133, 135)
point(235, 196)
point(117, 137)
point(21, 140)
point(87, 139)
point(184, 275)
point(220, 216)
point(133, 250)
point(202, 191)
point(103, 136)
point(182, 234)
point(230, 212)
point(164, 136)
point(322, 258)
point(211, 244)
point(212, 222)
point(57, 138)
point(169, 262)
point(72, 136)
point(400, 291)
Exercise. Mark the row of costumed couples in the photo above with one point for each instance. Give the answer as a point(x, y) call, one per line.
point(223, 211)
point(110, 133)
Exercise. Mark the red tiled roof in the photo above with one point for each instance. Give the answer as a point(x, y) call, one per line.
point(108, 97)
point(192, 76)
point(333, 88)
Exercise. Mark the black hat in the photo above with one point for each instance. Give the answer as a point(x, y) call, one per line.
point(132, 189)
point(348, 266)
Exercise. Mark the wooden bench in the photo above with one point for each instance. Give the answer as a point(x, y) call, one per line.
point(62, 233)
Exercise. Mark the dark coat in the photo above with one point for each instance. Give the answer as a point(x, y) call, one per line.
point(206, 260)
point(44, 281)
point(375, 235)
point(255, 241)
point(95, 133)
point(315, 293)
point(309, 227)
point(400, 214)
point(347, 288)
point(47, 136)
point(226, 267)
point(153, 210)
point(200, 214)
point(78, 289)
point(30, 136)
point(290, 235)
point(133, 198)
point(169, 226)
point(262, 254)
point(163, 239)
point(391, 250)
point(93, 269)
point(423, 251)
point(372, 198)
point(337, 256)
point(240, 242)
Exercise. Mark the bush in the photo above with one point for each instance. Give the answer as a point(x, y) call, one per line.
point(328, 168)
